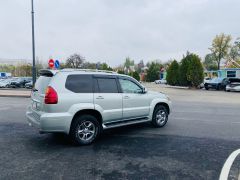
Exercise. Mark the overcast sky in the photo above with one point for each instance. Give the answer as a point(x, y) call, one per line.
point(110, 30)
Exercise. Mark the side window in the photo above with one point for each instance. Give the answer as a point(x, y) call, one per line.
point(129, 86)
point(79, 83)
point(107, 85)
point(231, 73)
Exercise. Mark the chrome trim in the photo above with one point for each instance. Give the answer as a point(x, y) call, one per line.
point(123, 122)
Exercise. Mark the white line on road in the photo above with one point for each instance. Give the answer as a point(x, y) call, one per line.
point(205, 120)
point(227, 165)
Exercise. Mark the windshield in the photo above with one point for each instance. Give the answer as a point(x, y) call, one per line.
point(216, 80)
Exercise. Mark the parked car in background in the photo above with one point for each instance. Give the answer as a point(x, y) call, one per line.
point(29, 85)
point(216, 83)
point(206, 80)
point(233, 85)
point(20, 82)
point(5, 83)
point(160, 81)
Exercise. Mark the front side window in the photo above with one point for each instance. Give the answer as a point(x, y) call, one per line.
point(106, 85)
point(129, 86)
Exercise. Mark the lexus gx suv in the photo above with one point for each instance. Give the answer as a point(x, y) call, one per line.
point(82, 103)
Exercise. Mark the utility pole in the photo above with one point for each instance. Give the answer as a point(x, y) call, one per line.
point(33, 48)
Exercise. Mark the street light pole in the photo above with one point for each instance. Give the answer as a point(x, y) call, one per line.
point(33, 48)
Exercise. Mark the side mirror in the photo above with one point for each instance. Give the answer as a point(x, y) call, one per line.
point(144, 90)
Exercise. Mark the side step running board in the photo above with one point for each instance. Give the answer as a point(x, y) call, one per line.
point(114, 124)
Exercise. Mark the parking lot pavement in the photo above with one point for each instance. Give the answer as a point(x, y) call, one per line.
point(203, 130)
point(15, 92)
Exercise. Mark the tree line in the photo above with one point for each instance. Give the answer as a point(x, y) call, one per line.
point(187, 72)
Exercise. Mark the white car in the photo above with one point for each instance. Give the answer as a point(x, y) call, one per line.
point(234, 85)
point(161, 81)
point(206, 80)
point(81, 103)
point(4, 83)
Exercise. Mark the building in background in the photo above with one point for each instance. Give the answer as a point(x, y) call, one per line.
point(229, 73)
point(224, 73)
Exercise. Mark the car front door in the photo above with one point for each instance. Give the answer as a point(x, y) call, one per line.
point(135, 102)
point(107, 98)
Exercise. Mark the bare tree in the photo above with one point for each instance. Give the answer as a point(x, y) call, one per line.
point(220, 47)
point(75, 61)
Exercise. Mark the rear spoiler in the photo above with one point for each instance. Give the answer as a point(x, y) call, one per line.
point(47, 72)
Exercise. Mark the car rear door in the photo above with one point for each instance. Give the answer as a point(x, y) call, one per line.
point(107, 97)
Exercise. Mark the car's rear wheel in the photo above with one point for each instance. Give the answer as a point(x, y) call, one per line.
point(160, 116)
point(84, 130)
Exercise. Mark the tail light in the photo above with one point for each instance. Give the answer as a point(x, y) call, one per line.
point(51, 96)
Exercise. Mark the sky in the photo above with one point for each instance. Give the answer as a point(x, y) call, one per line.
point(111, 30)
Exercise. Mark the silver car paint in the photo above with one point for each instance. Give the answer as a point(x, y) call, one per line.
point(112, 106)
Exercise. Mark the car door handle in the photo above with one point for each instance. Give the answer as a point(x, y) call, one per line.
point(126, 97)
point(100, 97)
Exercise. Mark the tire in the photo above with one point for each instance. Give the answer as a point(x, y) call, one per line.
point(160, 116)
point(206, 86)
point(84, 130)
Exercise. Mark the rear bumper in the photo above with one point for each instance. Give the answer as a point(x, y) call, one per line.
point(232, 89)
point(49, 122)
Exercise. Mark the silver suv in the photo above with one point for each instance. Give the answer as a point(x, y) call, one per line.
point(82, 103)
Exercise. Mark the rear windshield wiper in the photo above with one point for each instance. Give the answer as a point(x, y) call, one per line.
point(34, 90)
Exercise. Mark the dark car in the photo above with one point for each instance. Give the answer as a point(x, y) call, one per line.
point(29, 85)
point(20, 82)
point(217, 83)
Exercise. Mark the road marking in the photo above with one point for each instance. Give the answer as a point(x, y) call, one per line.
point(227, 165)
point(204, 120)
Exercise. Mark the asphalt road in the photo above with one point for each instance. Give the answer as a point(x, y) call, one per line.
point(203, 130)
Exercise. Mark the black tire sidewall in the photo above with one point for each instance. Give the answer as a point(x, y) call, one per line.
point(156, 109)
point(77, 122)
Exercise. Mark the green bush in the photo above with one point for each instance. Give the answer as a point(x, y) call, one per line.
point(153, 71)
point(189, 72)
point(136, 76)
point(172, 73)
point(184, 64)
point(195, 71)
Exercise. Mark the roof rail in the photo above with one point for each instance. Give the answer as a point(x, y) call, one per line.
point(91, 70)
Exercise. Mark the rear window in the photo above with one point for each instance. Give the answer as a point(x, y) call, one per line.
point(106, 85)
point(79, 83)
point(42, 83)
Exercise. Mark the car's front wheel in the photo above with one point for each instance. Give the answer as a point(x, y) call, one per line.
point(84, 130)
point(160, 116)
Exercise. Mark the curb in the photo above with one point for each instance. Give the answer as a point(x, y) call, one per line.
point(177, 87)
point(13, 95)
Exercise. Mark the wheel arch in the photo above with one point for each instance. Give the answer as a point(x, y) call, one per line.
point(92, 112)
point(163, 104)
